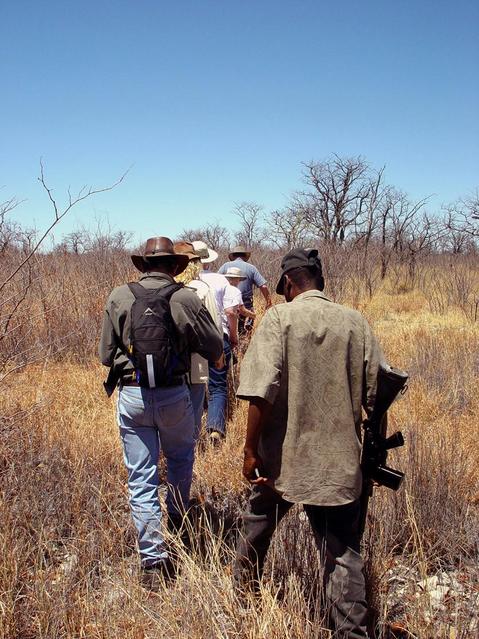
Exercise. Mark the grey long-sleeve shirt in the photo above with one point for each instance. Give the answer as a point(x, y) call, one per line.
point(196, 331)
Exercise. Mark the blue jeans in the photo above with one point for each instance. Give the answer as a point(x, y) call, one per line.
point(218, 393)
point(197, 393)
point(150, 420)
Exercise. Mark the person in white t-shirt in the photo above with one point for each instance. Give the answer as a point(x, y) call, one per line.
point(199, 371)
point(234, 276)
point(227, 306)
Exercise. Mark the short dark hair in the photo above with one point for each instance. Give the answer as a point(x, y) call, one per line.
point(166, 264)
point(304, 276)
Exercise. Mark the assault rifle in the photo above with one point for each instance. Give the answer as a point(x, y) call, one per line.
point(391, 382)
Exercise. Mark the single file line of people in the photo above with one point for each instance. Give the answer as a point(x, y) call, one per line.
point(309, 372)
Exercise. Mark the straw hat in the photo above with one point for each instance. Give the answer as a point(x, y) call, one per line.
point(239, 250)
point(236, 273)
point(206, 254)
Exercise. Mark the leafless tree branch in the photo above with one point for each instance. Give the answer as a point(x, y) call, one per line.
point(83, 194)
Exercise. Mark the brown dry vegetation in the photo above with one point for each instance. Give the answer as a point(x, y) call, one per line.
point(68, 563)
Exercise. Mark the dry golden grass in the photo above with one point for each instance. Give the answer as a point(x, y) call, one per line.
point(68, 563)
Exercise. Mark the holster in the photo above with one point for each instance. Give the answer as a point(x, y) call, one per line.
point(111, 381)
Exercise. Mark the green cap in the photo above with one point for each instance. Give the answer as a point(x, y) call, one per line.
point(298, 258)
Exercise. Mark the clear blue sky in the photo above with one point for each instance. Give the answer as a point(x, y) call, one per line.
point(214, 102)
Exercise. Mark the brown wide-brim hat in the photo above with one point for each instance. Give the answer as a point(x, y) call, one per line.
point(186, 248)
point(158, 247)
point(241, 250)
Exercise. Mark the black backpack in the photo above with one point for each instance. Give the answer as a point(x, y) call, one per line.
point(152, 335)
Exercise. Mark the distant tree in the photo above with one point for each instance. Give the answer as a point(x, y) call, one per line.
point(213, 234)
point(462, 222)
point(287, 228)
point(251, 232)
point(10, 231)
point(335, 200)
point(74, 242)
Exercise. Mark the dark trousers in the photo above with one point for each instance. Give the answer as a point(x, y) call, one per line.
point(336, 532)
point(245, 324)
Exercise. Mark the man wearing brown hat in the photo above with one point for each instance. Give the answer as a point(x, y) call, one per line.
point(239, 258)
point(309, 370)
point(154, 406)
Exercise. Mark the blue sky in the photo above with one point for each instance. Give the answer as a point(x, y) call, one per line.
point(215, 102)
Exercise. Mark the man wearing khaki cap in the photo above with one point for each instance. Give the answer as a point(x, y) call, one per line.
point(309, 370)
point(154, 406)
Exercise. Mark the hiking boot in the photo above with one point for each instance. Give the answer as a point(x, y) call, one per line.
point(215, 438)
point(157, 575)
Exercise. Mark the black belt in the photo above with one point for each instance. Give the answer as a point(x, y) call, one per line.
point(128, 382)
point(175, 381)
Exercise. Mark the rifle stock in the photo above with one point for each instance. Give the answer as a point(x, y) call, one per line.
point(391, 382)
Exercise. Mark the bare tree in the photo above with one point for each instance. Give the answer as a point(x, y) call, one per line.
point(10, 231)
point(399, 220)
point(75, 242)
point(424, 234)
point(59, 213)
point(287, 228)
point(213, 234)
point(251, 232)
point(462, 222)
point(335, 201)
point(16, 285)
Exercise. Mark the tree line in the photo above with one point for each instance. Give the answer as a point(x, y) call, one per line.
point(367, 230)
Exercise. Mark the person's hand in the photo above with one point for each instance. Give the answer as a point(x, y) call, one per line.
point(252, 465)
point(269, 304)
point(220, 363)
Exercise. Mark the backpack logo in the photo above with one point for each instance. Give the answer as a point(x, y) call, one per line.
point(149, 311)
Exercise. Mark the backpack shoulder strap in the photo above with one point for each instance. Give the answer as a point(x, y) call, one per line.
point(168, 290)
point(137, 289)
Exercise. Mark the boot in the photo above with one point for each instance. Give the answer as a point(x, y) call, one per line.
point(157, 575)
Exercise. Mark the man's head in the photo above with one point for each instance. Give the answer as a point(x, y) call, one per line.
point(234, 275)
point(207, 255)
point(240, 251)
point(301, 271)
point(159, 255)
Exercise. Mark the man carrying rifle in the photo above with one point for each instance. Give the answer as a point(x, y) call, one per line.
point(311, 367)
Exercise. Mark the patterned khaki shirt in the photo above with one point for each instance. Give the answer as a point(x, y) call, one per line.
point(316, 362)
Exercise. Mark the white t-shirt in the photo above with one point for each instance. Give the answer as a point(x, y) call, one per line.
point(233, 296)
point(223, 297)
point(199, 365)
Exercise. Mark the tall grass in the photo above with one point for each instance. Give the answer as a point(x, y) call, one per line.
point(68, 562)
